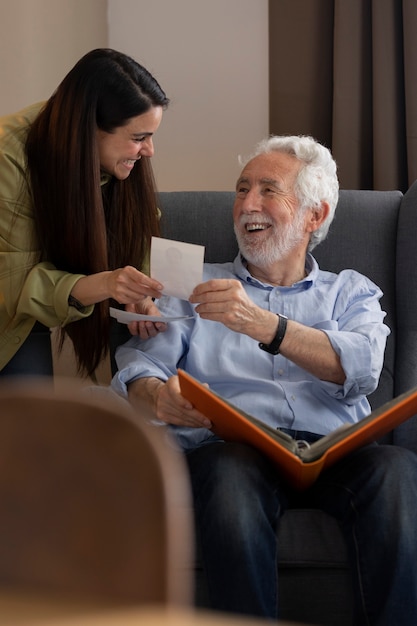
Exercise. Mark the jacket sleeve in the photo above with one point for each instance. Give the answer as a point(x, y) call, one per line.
point(28, 288)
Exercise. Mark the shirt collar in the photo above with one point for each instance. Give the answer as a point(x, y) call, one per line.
point(311, 265)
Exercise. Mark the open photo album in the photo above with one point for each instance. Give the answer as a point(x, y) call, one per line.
point(299, 462)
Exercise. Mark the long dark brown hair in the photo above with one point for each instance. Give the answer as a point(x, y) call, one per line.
point(84, 227)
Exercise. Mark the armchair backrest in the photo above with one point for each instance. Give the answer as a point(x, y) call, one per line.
point(363, 236)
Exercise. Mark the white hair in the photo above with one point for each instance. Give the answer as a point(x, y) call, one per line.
point(316, 180)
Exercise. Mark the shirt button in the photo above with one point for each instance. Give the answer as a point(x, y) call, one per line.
point(281, 372)
point(17, 339)
point(293, 398)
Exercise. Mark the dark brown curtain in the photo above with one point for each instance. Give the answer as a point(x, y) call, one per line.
point(345, 71)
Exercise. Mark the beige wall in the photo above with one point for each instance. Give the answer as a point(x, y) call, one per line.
point(211, 57)
point(40, 40)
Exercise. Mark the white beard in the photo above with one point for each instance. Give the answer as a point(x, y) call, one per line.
point(273, 248)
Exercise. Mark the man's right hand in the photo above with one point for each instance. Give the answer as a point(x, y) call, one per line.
point(167, 402)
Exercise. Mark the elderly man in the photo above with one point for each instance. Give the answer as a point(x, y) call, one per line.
point(300, 348)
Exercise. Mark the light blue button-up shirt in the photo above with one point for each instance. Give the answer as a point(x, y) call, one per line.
point(345, 306)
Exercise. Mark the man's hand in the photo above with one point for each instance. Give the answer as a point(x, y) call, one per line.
point(145, 329)
point(166, 401)
point(225, 300)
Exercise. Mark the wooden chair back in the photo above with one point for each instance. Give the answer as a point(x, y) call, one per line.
point(94, 502)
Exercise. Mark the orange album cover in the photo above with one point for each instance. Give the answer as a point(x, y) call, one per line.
point(300, 463)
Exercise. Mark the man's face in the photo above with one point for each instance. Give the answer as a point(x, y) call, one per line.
point(268, 223)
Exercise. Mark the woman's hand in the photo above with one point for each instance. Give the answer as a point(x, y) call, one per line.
point(126, 285)
point(129, 286)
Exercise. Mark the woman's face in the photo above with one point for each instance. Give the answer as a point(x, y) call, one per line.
point(120, 149)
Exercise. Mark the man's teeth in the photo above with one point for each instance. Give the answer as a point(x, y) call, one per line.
point(251, 227)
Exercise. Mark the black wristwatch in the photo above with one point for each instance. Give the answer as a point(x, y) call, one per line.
point(274, 346)
point(76, 304)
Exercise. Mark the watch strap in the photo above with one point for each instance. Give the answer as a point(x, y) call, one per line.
point(76, 304)
point(274, 346)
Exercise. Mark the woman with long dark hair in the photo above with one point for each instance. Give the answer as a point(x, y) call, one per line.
point(77, 211)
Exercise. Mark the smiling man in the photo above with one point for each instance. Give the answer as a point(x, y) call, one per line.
point(300, 348)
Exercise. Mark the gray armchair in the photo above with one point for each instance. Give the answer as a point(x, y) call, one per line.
point(374, 232)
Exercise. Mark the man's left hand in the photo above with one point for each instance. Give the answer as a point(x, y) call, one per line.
point(143, 328)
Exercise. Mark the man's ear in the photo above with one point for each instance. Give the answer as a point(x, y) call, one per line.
point(317, 216)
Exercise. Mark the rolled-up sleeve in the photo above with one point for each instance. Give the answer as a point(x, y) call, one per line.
point(359, 339)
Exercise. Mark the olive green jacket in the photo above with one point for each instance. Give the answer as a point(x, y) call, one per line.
point(29, 290)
